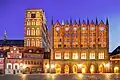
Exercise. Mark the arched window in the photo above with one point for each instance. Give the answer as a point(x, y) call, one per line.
point(38, 31)
point(33, 31)
point(37, 42)
point(28, 15)
point(28, 42)
point(33, 42)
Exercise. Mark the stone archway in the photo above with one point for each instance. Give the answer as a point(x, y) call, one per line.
point(75, 69)
point(92, 69)
point(58, 69)
point(27, 70)
point(84, 69)
point(116, 69)
point(101, 68)
point(66, 69)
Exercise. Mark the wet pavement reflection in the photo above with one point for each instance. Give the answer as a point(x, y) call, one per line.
point(105, 76)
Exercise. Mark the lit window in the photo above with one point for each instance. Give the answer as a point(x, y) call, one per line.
point(20, 56)
point(8, 56)
point(33, 22)
point(66, 55)
point(83, 55)
point(37, 42)
point(37, 22)
point(57, 55)
point(75, 56)
point(14, 48)
point(101, 56)
point(28, 15)
point(33, 31)
point(38, 31)
point(33, 42)
point(11, 51)
point(38, 14)
point(17, 51)
point(92, 55)
point(28, 42)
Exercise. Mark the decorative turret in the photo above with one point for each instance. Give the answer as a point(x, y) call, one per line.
point(70, 21)
point(75, 22)
point(63, 22)
point(87, 21)
point(66, 22)
point(107, 22)
point(79, 22)
point(83, 22)
point(92, 22)
point(96, 21)
point(52, 21)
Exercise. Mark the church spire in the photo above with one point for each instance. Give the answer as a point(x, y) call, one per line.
point(70, 21)
point(96, 21)
point(107, 22)
point(52, 21)
point(79, 22)
point(87, 21)
point(5, 35)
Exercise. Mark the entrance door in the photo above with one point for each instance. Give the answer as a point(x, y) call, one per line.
point(74, 69)
point(66, 69)
point(92, 68)
point(58, 69)
point(101, 68)
point(84, 69)
point(116, 69)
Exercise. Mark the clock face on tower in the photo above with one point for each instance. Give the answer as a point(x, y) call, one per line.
point(101, 28)
point(57, 28)
point(92, 28)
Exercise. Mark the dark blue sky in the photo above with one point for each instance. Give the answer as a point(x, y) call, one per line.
point(12, 14)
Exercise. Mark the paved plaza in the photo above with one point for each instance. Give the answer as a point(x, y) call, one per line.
point(106, 76)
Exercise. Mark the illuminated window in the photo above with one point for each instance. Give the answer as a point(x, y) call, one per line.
point(33, 42)
point(37, 42)
point(28, 15)
point(92, 55)
point(8, 56)
point(38, 14)
point(33, 31)
point(38, 31)
point(28, 31)
point(101, 56)
point(28, 42)
point(33, 22)
point(57, 55)
point(37, 22)
point(17, 51)
point(75, 56)
point(11, 51)
point(66, 55)
point(83, 55)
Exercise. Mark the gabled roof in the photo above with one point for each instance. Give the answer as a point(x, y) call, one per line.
point(116, 51)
